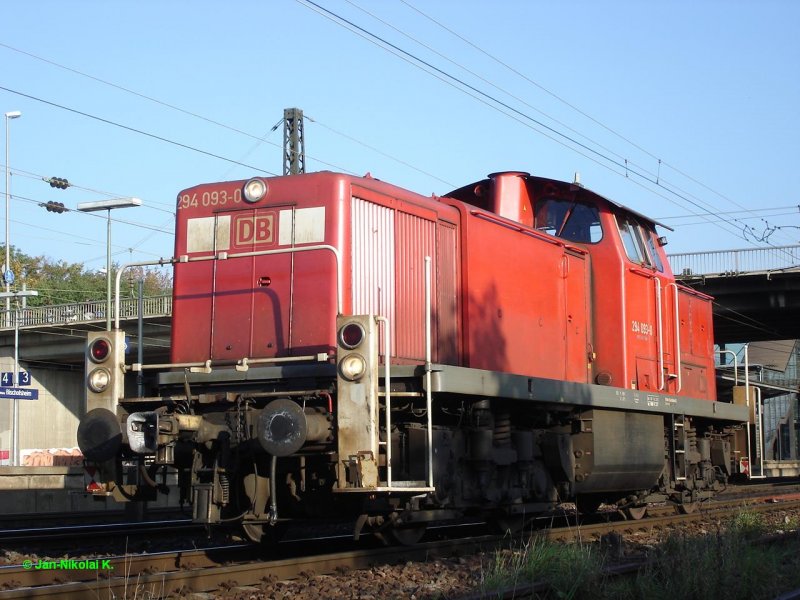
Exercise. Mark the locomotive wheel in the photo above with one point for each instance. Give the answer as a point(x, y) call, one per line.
point(407, 535)
point(688, 508)
point(635, 513)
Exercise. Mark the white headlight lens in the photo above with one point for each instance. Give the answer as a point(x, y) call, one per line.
point(255, 190)
point(99, 380)
point(353, 367)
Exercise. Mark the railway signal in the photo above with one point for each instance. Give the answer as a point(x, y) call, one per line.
point(105, 360)
point(58, 182)
point(56, 207)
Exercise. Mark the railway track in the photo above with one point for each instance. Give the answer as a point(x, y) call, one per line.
point(202, 571)
point(233, 567)
point(94, 531)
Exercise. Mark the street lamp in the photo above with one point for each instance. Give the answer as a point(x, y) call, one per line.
point(8, 273)
point(15, 373)
point(108, 205)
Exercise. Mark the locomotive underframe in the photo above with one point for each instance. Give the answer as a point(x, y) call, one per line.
point(505, 447)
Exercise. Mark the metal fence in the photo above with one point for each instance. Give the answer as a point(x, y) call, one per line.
point(735, 262)
point(83, 312)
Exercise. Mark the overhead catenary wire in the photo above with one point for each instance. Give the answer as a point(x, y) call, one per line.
point(135, 130)
point(15, 171)
point(259, 139)
point(487, 99)
point(578, 110)
point(128, 90)
point(503, 107)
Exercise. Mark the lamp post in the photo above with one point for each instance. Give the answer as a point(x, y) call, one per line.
point(108, 206)
point(15, 373)
point(7, 273)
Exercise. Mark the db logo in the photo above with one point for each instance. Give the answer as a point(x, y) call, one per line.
point(253, 230)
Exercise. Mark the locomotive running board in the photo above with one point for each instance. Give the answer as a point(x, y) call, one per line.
point(397, 489)
point(492, 384)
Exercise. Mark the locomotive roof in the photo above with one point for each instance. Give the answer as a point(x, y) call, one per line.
point(468, 189)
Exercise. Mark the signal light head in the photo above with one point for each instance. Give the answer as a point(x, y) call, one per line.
point(353, 367)
point(99, 350)
point(254, 190)
point(351, 335)
point(98, 380)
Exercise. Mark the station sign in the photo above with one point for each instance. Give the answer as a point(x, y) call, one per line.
point(17, 393)
point(6, 378)
point(21, 392)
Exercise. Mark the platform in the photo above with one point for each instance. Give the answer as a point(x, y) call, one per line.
point(782, 468)
point(25, 490)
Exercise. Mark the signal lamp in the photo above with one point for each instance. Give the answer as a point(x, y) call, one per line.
point(254, 190)
point(351, 335)
point(98, 380)
point(56, 207)
point(99, 350)
point(353, 367)
point(58, 182)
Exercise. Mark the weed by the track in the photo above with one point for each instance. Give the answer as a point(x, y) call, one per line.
point(726, 564)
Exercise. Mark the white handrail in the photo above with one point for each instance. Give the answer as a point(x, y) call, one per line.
point(226, 256)
point(428, 367)
point(760, 435)
point(735, 364)
point(660, 363)
point(678, 365)
point(387, 362)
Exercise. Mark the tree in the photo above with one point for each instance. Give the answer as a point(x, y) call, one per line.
point(60, 282)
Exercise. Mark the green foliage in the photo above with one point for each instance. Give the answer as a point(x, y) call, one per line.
point(60, 282)
point(728, 564)
point(709, 566)
point(748, 523)
point(569, 570)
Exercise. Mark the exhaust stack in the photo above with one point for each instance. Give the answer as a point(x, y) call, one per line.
point(510, 198)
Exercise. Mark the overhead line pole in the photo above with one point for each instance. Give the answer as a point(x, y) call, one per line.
point(294, 147)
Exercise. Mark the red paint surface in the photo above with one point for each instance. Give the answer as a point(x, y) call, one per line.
point(505, 295)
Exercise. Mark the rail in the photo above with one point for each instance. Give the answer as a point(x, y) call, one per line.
point(736, 262)
point(84, 312)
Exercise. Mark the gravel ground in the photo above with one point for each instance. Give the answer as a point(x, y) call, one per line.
point(439, 579)
point(450, 579)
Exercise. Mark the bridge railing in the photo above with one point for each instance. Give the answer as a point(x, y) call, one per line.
point(735, 262)
point(83, 312)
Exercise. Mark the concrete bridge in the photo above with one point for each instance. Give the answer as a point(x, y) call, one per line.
point(756, 290)
point(52, 346)
point(757, 302)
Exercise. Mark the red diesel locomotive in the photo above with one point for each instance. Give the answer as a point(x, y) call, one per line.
point(345, 347)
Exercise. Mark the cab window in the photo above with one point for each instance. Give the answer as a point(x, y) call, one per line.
point(632, 240)
point(569, 220)
point(651, 243)
point(639, 242)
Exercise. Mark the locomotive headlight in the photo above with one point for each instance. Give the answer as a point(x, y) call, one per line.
point(351, 335)
point(353, 367)
point(98, 380)
point(254, 190)
point(99, 350)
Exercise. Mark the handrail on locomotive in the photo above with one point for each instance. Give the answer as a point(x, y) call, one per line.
point(244, 362)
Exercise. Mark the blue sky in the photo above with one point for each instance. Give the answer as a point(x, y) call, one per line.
point(700, 99)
